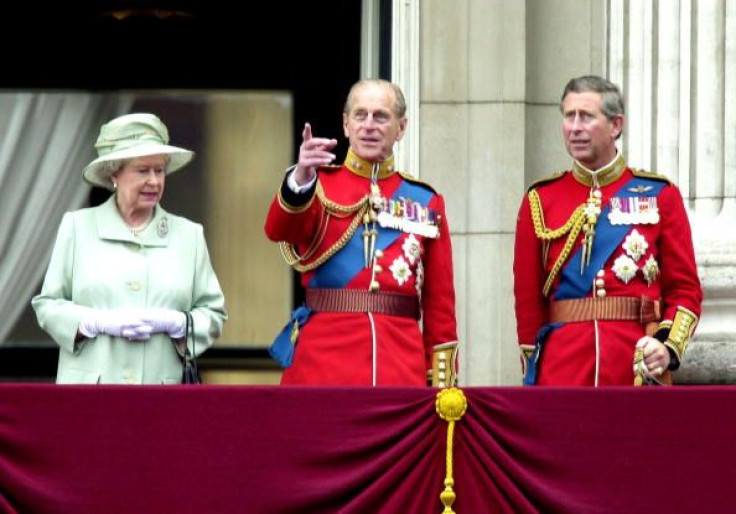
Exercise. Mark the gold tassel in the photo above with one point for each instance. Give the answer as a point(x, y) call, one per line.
point(450, 405)
point(366, 237)
point(294, 332)
point(639, 367)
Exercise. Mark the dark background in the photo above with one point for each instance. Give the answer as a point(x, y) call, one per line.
point(309, 48)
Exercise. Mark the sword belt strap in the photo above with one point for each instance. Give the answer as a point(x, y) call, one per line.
point(352, 300)
point(644, 309)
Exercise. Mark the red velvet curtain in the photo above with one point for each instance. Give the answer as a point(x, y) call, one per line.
point(107, 449)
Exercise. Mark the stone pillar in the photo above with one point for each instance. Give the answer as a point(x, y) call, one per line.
point(472, 150)
point(491, 75)
point(676, 61)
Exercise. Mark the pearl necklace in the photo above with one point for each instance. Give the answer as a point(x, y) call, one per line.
point(140, 228)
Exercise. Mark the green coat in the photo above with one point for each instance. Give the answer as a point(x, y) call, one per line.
point(97, 262)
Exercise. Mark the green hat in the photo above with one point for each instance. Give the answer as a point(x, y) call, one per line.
point(130, 136)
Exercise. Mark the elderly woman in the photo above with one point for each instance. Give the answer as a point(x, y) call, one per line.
point(122, 275)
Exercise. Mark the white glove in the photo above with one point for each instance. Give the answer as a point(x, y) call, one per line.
point(171, 321)
point(126, 323)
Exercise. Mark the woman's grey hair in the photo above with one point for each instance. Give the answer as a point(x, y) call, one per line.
point(612, 102)
point(107, 168)
point(399, 101)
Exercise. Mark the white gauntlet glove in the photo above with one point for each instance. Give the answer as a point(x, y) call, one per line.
point(170, 321)
point(126, 323)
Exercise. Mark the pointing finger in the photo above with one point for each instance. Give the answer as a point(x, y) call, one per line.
point(307, 132)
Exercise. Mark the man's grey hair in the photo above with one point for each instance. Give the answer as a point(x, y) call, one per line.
point(612, 102)
point(399, 101)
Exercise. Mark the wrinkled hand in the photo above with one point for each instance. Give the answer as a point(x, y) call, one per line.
point(313, 152)
point(656, 355)
point(126, 323)
point(170, 321)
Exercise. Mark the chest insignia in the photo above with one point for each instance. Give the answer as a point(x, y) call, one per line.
point(408, 216)
point(640, 189)
point(400, 270)
point(624, 268)
point(412, 249)
point(635, 245)
point(650, 270)
point(635, 210)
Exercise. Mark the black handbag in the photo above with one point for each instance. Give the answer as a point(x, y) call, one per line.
point(190, 372)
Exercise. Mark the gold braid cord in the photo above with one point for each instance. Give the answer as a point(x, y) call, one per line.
point(572, 226)
point(450, 405)
point(359, 208)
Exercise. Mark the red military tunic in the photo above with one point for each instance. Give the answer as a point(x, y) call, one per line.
point(324, 236)
point(649, 253)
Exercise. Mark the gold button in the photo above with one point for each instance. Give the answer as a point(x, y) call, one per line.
point(377, 268)
point(375, 286)
point(601, 273)
point(379, 254)
point(600, 282)
point(601, 293)
point(134, 247)
point(135, 285)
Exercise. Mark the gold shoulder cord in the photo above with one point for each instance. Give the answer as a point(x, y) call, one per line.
point(571, 226)
point(359, 208)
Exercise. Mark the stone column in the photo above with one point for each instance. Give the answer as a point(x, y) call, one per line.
point(676, 61)
point(472, 150)
point(491, 75)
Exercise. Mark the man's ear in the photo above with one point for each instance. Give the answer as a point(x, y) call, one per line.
point(345, 124)
point(402, 128)
point(617, 126)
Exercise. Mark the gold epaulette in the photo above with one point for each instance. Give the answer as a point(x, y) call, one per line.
point(650, 174)
point(412, 178)
point(556, 175)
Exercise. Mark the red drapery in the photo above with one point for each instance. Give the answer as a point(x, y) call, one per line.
point(78, 450)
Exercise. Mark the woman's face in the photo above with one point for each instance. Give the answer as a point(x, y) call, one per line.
point(140, 183)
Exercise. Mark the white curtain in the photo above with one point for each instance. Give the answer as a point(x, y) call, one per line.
point(46, 139)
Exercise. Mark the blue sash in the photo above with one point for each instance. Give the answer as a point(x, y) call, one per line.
point(282, 349)
point(531, 377)
point(573, 284)
point(342, 267)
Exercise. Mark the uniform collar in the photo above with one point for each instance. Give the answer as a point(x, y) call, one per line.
point(364, 168)
point(601, 177)
point(110, 225)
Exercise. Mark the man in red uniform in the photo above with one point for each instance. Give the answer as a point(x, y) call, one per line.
point(373, 247)
point(604, 263)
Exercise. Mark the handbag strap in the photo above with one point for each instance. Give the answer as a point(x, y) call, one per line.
point(190, 334)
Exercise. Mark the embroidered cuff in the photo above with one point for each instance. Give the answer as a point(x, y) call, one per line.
point(526, 351)
point(296, 201)
point(444, 364)
point(680, 331)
